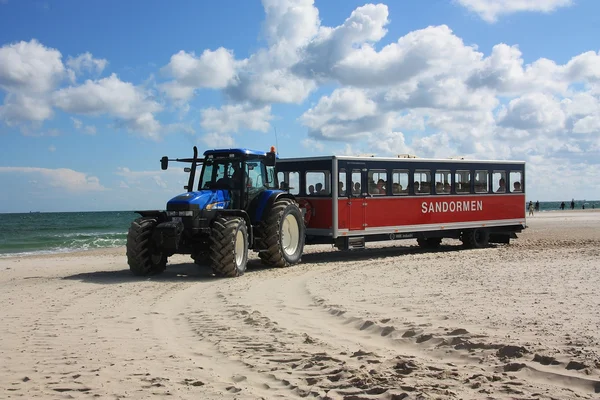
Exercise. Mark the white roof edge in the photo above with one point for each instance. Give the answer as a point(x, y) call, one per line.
point(417, 160)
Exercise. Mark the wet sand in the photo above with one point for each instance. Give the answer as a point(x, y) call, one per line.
point(389, 322)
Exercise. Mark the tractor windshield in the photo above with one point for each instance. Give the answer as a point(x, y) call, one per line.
point(220, 174)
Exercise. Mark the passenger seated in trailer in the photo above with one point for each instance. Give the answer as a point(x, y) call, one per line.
point(341, 191)
point(380, 187)
point(319, 188)
point(502, 186)
point(425, 187)
point(439, 187)
point(416, 187)
point(311, 190)
point(396, 188)
point(517, 187)
point(447, 188)
point(356, 190)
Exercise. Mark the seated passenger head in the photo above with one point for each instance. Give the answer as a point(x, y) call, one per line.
point(319, 187)
point(311, 189)
point(517, 186)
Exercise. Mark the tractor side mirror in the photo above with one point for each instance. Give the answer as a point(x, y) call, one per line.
point(270, 159)
point(164, 162)
point(187, 169)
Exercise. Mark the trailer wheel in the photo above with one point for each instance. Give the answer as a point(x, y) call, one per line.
point(429, 243)
point(476, 238)
point(282, 235)
point(142, 255)
point(229, 246)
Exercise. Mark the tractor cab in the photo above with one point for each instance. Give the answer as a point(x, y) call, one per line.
point(245, 174)
point(228, 179)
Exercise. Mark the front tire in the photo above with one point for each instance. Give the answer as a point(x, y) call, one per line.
point(142, 255)
point(282, 235)
point(229, 246)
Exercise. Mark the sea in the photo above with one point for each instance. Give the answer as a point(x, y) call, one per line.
point(60, 232)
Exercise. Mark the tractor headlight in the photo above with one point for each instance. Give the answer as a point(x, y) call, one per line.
point(215, 206)
point(180, 213)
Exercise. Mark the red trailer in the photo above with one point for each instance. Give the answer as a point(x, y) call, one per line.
point(348, 201)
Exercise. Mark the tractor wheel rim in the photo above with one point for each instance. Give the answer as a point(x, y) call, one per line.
point(290, 235)
point(239, 248)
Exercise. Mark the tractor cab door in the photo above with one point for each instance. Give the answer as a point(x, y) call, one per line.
point(255, 180)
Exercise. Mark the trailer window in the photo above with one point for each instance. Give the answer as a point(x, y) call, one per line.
point(317, 183)
point(481, 181)
point(499, 182)
point(442, 181)
point(516, 180)
point(422, 179)
point(342, 183)
point(399, 182)
point(289, 180)
point(462, 181)
point(356, 178)
point(377, 181)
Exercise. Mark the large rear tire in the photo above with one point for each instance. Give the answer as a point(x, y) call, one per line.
point(142, 255)
point(282, 235)
point(229, 246)
point(476, 238)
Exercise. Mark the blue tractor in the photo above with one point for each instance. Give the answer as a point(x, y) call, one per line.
point(234, 206)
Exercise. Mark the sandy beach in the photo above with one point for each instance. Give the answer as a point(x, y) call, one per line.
point(518, 321)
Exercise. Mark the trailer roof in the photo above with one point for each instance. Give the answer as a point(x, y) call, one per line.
point(403, 159)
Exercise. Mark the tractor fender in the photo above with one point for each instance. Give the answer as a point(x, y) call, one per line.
point(267, 201)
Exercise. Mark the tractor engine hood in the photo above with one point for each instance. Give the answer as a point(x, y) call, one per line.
point(200, 200)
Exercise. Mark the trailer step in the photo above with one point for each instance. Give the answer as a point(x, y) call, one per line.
point(356, 242)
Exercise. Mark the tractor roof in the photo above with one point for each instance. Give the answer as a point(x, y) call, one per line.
point(241, 152)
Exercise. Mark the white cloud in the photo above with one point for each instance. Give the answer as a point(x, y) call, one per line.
point(60, 178)
point(218, 140)
point(232, 118)
point(533, 111)
point(86, 63)
point(312, 145)
point(87, 129)
point(133, 106)
point(490, 10)
point(20, 108)
point(213, 69)
point(171, 180)
point(30, 67)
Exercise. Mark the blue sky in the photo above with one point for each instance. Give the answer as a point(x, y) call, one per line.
point(93, 93)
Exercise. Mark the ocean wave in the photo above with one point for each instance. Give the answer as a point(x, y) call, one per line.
point(62, 243)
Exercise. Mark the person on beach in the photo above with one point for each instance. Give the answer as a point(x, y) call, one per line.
point(562, 205)
point(531, 208)
point(537, 206)
point(572, 204)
